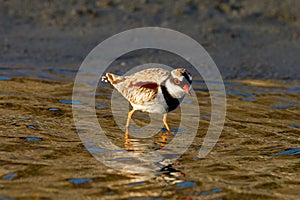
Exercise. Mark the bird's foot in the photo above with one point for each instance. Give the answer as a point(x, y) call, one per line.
point(166, 131)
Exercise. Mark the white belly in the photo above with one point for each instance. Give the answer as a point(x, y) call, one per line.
point(158, 105)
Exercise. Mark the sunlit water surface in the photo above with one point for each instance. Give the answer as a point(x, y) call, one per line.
point(42, 157)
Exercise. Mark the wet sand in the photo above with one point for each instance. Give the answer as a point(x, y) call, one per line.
point(256, 157)
point(247, 39)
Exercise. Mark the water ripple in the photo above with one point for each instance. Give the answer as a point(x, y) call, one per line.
point(293, 151)
point(79, 181)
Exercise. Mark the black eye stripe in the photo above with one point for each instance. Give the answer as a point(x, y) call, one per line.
point(186, 76)
point(184, 82)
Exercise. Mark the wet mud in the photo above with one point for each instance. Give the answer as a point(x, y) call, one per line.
point(256, 156)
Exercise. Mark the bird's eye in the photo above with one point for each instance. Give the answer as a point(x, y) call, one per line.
point(176, 81)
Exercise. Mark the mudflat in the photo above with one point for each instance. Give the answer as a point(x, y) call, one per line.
point(247, 39)
point(256, 157)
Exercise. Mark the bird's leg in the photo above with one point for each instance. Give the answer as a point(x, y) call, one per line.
point(166, 122)
point(128, 145)
point(128, 120)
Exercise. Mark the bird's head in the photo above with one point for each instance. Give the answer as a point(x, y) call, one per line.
point(179, 82)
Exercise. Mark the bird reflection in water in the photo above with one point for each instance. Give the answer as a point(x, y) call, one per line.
point(168, 174)
point(134, 144)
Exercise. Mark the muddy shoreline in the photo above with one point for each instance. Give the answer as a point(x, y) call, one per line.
point(246, 39)
point(256, 157)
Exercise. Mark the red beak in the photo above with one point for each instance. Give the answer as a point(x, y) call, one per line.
point(186, 88)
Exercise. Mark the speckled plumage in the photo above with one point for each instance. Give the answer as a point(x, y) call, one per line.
point(140, 88)
point(151, 90)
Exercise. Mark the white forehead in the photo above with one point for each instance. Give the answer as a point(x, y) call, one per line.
point(181, 77)
point(175, 76)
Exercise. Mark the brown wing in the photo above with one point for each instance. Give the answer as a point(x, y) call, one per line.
point(140, 92)
point(142, 86)
point(148, 85)
point(156, 75)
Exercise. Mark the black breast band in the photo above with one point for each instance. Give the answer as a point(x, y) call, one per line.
point(172, 102)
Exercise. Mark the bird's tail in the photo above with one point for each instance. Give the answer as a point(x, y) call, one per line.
point(104, 78)
point(112, 78)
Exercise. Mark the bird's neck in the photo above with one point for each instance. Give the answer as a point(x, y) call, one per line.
point(174, 90)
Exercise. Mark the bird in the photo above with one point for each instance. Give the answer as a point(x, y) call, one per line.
point(152, 90)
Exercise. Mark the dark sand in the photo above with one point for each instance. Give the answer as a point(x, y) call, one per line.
point(256, 156)
point(246, 39)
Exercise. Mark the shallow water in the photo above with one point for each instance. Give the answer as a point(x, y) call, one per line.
point(256, 157)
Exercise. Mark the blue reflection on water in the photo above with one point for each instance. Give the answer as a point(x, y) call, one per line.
point(249, 99)
point(67, 101)
point(237, 93)
point(216, 190)
point(33, 139)
point(9, 176)
point(294, 126)
point(31, 127)
point(89, 144)
point(208, 116)
point(293, 151)
point(63, 71)
point(53, 109)
point(135, 183)
point(78, 181)
point(97, 150)
point(294, 90)
point(186, 184)
point(4, 78)
point(289, 101)
point(281, 106)
point(185, 100)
